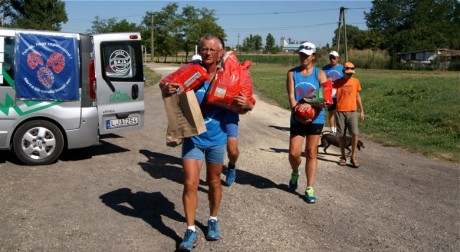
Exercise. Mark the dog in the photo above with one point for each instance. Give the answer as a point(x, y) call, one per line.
point(329, 139)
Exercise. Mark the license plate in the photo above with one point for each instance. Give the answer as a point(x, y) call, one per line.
point(125, 122)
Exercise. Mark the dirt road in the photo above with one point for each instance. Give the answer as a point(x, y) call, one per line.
point(125, 195)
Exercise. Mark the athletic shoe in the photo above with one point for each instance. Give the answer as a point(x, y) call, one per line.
point(231, 176)
point(293, 181)
point(190, 241)
point(213, 230)
point(310, 195)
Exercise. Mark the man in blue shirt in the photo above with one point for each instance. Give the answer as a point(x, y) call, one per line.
point(334, 71)
point(208, 147)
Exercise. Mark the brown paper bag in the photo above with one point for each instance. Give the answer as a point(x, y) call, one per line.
point(184, 117)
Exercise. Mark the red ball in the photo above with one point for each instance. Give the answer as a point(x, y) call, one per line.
point(309, 113)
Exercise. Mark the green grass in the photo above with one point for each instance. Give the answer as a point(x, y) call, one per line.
point(416, 110)
point(151, 78)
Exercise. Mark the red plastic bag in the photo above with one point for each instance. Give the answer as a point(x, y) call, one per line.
point(327, 91)
point(246, 81)
point(230, 82)
point(189, 77)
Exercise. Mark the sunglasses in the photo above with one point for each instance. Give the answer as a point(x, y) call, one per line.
point(211, 50)
point(332, 57)
point(349, 68)
point(306, 47)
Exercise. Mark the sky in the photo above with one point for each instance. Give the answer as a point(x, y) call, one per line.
point(313, 21)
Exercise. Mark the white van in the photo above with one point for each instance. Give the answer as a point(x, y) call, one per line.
point(62, 90)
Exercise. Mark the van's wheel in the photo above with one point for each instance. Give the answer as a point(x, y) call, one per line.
point(38, 142)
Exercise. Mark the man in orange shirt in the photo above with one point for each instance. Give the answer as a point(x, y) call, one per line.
point(348, 99)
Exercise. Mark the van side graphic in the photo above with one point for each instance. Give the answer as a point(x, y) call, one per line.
point(9, 101)
point(63, 90)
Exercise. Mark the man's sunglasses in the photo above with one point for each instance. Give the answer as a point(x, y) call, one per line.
point(332, 57)
point(349, 68)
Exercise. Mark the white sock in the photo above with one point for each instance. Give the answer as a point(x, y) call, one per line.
point(334, 129)
point(309, 187)
point(213, 218)
point(193, 228)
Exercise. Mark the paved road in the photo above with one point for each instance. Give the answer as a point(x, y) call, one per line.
point(125, 195)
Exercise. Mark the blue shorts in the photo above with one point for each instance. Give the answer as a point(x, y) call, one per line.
point(212, 154)
point(232, 130)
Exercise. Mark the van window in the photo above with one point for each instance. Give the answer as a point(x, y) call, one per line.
point(8, 61)
point(122, 61)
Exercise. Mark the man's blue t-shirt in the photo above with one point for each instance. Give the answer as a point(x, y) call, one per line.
point(333, 73)
point(214, 119)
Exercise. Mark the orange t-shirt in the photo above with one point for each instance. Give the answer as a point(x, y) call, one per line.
point(347, 89)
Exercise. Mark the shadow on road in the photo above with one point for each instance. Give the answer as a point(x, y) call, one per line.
point(8, 155)
point(321, 155)
point(103, 148)
point(161, 166)
point(254, 180)
point(279, 128)
point(150, 207)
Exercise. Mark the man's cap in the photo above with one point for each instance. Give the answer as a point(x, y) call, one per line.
point(307, 48)
point(334, 53)
point(349, 67)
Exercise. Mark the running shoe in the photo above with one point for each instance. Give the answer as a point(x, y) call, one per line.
point(293, 181)
point(310, 195)
point(231, 176)
point(213, 230)
point(190, 241)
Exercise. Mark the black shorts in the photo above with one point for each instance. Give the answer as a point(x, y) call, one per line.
point(306, 130)
point(332, 107)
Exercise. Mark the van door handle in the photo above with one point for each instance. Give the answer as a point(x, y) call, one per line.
point(135, 91)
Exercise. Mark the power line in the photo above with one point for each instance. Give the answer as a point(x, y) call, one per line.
point(274, 12)
point(281, 27)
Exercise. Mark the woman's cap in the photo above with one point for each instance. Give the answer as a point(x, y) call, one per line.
point(307, 48)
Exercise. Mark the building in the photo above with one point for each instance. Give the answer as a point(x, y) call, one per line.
point(436, 58)
point(289, 46)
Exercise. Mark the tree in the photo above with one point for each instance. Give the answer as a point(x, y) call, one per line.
point(411, 25)
point(269, 43)
point(34, 14)
point(111, 25)
point(197, 23)
point(174, 31)
point(357, 39)
point(166, 30)
point(252, 43)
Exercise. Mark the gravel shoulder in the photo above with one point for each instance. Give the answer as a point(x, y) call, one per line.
point(125, 195)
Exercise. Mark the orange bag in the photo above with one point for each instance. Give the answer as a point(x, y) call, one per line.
point(233, 80)
point(189, 76)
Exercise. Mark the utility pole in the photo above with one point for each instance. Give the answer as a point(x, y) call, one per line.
point(342, 23)
point(345, 36)
point(151, 39)
point(238, 43)
point(338, 31)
